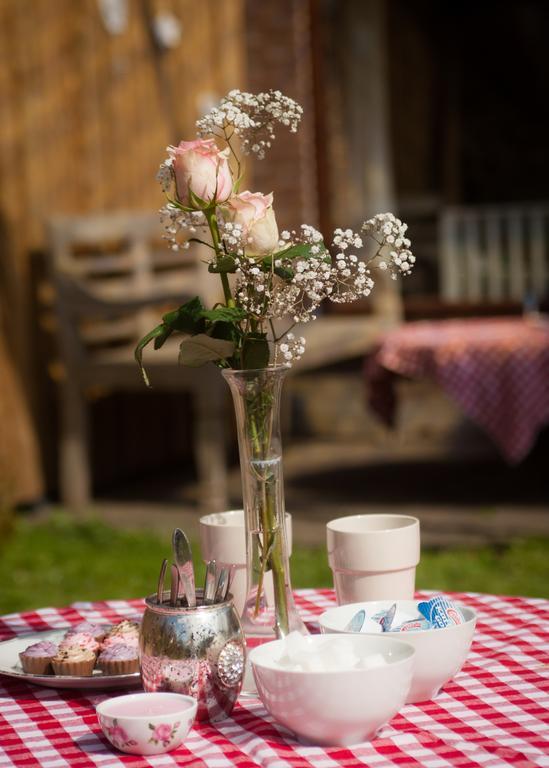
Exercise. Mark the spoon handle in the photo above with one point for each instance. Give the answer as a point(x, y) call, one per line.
point(210, 584)
point(174, 587)
point(161, 578)
point(222, 585)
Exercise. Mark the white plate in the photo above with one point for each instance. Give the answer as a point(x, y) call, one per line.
point(10, 665)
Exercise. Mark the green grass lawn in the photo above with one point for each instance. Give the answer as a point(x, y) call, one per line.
point(56, 562)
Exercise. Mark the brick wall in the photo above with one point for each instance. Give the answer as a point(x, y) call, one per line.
point(278, 53)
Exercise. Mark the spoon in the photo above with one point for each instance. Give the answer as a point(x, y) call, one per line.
point(161, 578)
point(222, 585)
point(174, 587)
point(184, 562)
point(209, 584)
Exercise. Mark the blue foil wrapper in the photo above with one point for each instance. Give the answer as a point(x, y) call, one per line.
point(440, 612)
point(386, 618)
point(415, 625)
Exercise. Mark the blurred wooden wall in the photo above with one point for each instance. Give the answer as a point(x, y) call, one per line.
point(85, 117)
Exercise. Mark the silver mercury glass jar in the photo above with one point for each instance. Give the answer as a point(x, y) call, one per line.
point(196, 651)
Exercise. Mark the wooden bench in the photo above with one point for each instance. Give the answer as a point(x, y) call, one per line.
point(112, 274)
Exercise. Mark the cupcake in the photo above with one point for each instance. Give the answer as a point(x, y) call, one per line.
point(73, 660)
point(97, 631)
point(118, 659)
point(81, 640)
point(36, 659)
point(125, 633)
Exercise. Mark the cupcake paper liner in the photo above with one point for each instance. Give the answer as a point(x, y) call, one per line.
point(73, 668)
point(36, 665)
point(119, 666)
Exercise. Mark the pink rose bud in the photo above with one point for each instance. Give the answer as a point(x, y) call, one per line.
point(203, 168)
point(162, 732)
point(255, 213)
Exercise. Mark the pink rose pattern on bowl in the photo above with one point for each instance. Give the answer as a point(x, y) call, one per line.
point(116, 734)
point(163, 733)
point(147, 723)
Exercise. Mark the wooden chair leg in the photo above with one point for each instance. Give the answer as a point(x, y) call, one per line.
point(74, 463)
point(209, 446)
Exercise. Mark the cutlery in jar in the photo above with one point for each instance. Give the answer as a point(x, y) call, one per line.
point(184, 562)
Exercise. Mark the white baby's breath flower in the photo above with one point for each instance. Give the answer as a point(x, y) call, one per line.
point(388, 232)
point(252, 118)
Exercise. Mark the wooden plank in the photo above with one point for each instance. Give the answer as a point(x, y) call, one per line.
point(473, 257)
point(494, 262)
point(517, 274)
point(450, 272)
point(539, 253)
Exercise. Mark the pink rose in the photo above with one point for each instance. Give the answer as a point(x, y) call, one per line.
point(162, 732)
point(202, 167)
point(255, 213)
point(118, 733)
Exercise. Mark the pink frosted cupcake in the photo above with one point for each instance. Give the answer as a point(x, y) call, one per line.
point(73, 660)
point(97, 631)
point(118, 659)
point(36, 659)
point(80, 640)
point(125, 633)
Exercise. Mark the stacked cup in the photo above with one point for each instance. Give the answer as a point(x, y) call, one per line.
point(373, 557)
point(223, 539)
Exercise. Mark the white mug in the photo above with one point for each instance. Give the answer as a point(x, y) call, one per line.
point(373, 557)
point(223, 539)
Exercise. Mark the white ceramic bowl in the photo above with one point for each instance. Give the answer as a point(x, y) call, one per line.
point(339, 707)
point(440, 653)
point(147, 723)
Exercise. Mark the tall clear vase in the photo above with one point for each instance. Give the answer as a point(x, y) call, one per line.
point(256, 395)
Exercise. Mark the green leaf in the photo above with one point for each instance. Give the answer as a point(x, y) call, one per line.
point(224, 314)
point(201, 349)
point(284, 272)
point(161, 338)
point(303, 251)
point(197, 202)
point(299, 251)
point(255, 351)
point(156, 333)
point(223, 265)
point(187, 318)
point(221, 330)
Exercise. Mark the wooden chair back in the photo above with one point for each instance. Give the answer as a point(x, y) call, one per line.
point(108, 269)
point(494, 253)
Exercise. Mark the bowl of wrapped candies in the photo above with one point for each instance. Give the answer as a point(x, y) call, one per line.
point(440, 631)
point(331, 689)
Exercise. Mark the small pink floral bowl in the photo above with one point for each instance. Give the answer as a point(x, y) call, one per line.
point(147, 723)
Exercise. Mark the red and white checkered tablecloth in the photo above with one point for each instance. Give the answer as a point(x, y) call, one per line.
point(494, 713)
point(495, 369)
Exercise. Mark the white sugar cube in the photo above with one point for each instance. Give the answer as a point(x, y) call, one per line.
point(370, 662)
point(330, 654)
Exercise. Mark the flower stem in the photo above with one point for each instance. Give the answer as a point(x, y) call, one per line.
point(271, 556)
point(211, 218)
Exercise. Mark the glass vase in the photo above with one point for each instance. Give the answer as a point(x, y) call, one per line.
point(256, 396)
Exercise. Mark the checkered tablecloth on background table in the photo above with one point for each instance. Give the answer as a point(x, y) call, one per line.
point(495, 369)
point(494, 713)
